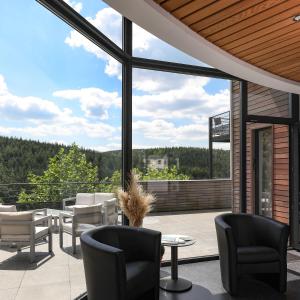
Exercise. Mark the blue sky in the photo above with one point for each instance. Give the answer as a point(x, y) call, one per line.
point(56, 86)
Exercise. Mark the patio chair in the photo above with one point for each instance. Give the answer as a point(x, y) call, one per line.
point(21, 229)
point(121, 263)
point(81, 200)
point(110, 208)
point(251, 244)
point(78, 221)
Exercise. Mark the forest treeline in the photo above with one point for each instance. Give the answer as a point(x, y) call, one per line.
point(20, 157)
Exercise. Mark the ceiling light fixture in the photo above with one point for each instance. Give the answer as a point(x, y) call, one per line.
point(296, 18)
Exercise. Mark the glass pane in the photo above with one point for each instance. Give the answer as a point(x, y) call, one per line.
point(102, 16)
point(60, 134)
point(265, 161)
point(149, 46)
point(170, 137)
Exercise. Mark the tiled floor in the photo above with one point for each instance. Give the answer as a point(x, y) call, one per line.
point(201, 226)
point(61, 276)
point(207, 284)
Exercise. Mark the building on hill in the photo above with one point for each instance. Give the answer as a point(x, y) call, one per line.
point(157, 162)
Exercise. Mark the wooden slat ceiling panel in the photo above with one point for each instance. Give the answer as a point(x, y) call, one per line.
point(261, 32)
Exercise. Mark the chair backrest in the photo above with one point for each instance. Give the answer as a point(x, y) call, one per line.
point(101, 197)
point(85, 199)
point(243, 228)
point(110, 212)
point(8, 208)
point(88, 215)
point(15, 224)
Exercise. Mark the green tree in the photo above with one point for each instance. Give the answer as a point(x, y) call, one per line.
point(164, 174)
point(149, 174)
point(68, 173)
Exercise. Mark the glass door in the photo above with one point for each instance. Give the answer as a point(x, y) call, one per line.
point(263, 171)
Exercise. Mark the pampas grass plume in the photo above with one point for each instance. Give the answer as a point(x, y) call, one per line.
point(135, 203)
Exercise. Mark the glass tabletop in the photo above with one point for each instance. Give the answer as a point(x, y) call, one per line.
point(177, 240)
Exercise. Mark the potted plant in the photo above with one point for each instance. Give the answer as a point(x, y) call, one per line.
point(135, 202)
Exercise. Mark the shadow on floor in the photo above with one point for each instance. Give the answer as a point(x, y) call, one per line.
point(68, 250)
point(248, 290)
point(21, 261)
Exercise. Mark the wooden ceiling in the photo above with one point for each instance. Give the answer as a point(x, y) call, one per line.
point(260, 32)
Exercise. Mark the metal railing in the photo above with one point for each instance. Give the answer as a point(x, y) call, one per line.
point(40, 195)
point(220, 127)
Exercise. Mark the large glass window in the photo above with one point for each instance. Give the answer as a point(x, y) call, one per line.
point(147, 45)
point(171, 115)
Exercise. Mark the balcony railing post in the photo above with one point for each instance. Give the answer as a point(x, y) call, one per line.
point(210, 149)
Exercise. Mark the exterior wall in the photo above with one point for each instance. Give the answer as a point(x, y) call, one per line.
point(262, 101)
point(183, 195)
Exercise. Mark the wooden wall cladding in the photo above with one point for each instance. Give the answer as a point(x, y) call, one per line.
point(260, 32)
point(277, 105)
point(185, 195)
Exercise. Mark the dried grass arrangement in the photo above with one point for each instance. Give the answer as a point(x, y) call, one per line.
point(135, 203)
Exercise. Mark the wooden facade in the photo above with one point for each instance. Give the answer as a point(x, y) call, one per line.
point(267, 102)
point(185, 195)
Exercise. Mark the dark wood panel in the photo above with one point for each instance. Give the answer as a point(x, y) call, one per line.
point(190, 195)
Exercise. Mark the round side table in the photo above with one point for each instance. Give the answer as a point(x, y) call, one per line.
point(173, 283)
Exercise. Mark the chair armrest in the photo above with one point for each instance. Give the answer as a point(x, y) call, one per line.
point(42, 220)
point(40, 211)
point(104, 267)
point(271, 233)
point(66, 200)
point(63, 216)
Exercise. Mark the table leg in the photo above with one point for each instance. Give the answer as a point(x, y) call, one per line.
point(174, 263)
point(173, 283)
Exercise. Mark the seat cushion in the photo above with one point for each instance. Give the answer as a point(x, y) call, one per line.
point(85, 199)
point(101, 197)
point(140, 278)
point(6, 208)
point(19, 223)
point(256, 254)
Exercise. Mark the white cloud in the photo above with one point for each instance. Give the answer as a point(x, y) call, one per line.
point(187, 101)
point(145, 44)
point(107, 147)
point(169, 132)
point(94, 102)
point(28, 108)
point(42, 118)
point(75, 5)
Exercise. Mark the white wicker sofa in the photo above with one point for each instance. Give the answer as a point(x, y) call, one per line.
point(108, 201)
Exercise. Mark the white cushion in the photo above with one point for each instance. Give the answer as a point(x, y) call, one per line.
point(101, 197)
point(5, 208)
point(86, 209)
point(85, 199)
point(15, 228)
point(90, 215)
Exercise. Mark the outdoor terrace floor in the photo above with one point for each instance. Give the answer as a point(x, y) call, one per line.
point(62, 275)
point(198, 224)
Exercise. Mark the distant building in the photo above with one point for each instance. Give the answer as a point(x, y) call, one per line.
point(157, 162)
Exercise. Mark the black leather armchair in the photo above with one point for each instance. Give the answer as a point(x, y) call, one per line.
point(251, 244)
point(121, 263)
